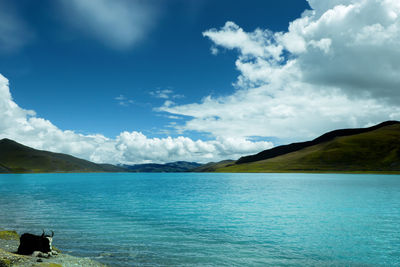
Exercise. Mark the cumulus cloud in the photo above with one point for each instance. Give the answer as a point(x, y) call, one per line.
point(136, 145)
point(24, 126)
point(118, 23)
point(355, 46)
point(337, 66)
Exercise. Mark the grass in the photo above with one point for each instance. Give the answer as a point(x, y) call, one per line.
point(377, 151)
point(9, 235)
point(47, 264)
point(213, 166)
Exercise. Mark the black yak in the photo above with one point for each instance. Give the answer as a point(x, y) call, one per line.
point(36, 245)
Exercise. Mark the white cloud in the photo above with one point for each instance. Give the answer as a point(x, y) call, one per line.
point(174, 117)
point(165, 94)
point(214, 50)
point(257, 43)
point(161, 93)
point(337, 66)
point(124, 101)
point(358, 47)
point(321, 7)
point(128, 147)
point(135, 145)
point(118, 23)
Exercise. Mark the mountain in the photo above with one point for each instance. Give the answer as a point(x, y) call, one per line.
point(373, 149)
point(281, 150)
point(178, 166)
point(213, 166)
point(17, 158)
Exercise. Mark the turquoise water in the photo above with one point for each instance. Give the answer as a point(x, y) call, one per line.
point(193, 219)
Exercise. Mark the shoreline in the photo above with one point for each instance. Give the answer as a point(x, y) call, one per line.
point(9, 242)
point(318, 172)
point(283, 171)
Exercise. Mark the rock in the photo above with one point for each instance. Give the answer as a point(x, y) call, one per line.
point(53, 253)
point(55, 249)
point(5, 262)
point(9, 259)
point(40, 254)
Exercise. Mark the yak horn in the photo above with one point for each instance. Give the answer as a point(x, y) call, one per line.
point(52, 233)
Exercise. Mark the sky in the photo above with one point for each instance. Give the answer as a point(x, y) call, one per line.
point(130, 81)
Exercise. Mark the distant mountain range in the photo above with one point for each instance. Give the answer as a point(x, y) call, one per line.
point(17, 158)
point(178, 166)
point(374, 149)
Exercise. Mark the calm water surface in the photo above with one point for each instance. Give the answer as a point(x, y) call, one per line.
point(192, 219)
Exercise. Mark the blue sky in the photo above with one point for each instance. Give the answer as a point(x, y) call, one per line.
point(130, 81)
point(72, 78)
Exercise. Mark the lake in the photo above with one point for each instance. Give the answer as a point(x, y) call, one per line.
point(189, 219)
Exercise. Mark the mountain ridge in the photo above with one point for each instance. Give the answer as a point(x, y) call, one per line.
point(18, 158)
point(284, 149)
point(372, 149)
point(177, 166)
point(367, 150)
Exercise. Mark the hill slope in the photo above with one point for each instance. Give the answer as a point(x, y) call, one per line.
point(375, 149)
point(281, 150)
point(17, 158)
point(213, 166)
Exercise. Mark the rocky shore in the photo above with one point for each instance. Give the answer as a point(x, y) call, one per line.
point(9, 242)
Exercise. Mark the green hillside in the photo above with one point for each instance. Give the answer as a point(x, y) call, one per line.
point(373, 151)
point(17, 158)
point(213, 166)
